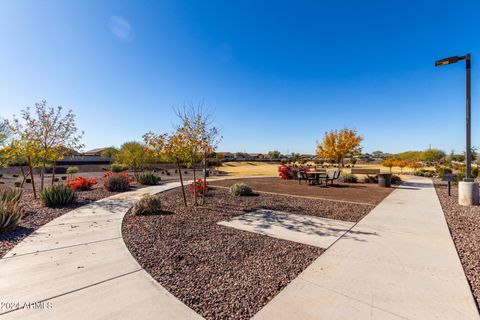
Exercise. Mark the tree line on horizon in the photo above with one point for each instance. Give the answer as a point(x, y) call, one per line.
point(339, 144)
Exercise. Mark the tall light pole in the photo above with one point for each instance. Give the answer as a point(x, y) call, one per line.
point(455, 59)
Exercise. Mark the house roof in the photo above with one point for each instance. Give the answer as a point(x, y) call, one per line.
point(94, 151)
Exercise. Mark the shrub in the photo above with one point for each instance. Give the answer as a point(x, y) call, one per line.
point(147, 205)
point(116, 181)
point(285, 172)
point(118, 167)
point(350, 178)
point(81, 183)
point(441, 171)
point(58, 195)
point(460, 176)
point(11, 212)
point(200, 187)
point(475, 172)
point(395, 179)
point(148, 178)
point(72, 170)
point(424, 173)
point(370, 179)
point(240, 189)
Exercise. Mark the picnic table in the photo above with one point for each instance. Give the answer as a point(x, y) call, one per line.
point(320, 176)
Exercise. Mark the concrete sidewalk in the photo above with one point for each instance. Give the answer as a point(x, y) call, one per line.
point(78, 267)
point(399, 262)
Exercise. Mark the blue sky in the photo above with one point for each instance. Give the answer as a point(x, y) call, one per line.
point(277, 74)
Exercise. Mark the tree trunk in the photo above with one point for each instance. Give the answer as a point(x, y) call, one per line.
point(204, 177)
point(24, 176)
point(42, 175)
point(31, 175)
point(54, 166)
point(181, 182)
point(194, 180)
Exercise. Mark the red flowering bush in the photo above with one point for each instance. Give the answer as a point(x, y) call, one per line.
point(201, 187)
point(81, 183)
point(290, 172)
point(285, 172)
point(116, 181)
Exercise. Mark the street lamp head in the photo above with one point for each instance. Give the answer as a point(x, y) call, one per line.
point(448, 60)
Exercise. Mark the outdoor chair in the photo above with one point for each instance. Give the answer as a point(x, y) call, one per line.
point(331, 176)
point(302, 175)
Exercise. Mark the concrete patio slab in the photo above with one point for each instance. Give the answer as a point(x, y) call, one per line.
point(400, 263)
point(314, 231)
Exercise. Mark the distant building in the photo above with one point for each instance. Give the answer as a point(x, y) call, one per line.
point(94, 152)
point(256, 155)
point(89, 157)
point(227, 155)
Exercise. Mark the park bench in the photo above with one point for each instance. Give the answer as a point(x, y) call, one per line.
point(331, 176)
point(365, 171)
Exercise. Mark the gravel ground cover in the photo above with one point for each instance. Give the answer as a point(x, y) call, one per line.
point(464, 224)
point(220, 272)
point(354, 192)
point(36, 215)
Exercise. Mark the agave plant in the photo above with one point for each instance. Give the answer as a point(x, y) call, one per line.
point(11, 211)
point(58, 195)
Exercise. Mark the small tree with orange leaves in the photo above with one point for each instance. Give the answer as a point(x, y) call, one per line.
point(390, 162)
point(173, 147)
point(210, 138)
point(414, 165)
point(401, 164)
point(337, 144)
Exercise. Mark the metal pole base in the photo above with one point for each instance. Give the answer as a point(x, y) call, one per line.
point(468, 193)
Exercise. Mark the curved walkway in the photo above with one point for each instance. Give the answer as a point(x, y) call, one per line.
point(401, 264)
point(78, 267)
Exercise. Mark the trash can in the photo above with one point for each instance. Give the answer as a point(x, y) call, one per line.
point(384, 180)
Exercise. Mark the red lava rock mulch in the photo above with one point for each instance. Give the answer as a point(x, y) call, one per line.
point(464, 224)
point(36, 215)
point(354, 192)
point(221, 272)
